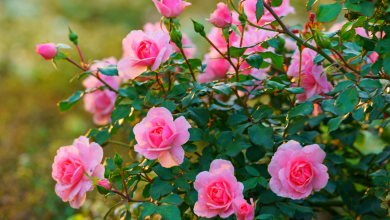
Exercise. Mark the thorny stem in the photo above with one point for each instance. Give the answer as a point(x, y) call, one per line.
point(124, 183)
point(74, 63)
point(161, 85)
point(188, 64)
point(81, 55)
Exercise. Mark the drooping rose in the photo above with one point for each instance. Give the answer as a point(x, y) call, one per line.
point(250, 9)
point(221, 18)
point(216, 68)
point(171, 8)
point(158, 136)
point(189, 51)
point(143, 50)
point(47, 51)
point(243, 210)
point(217, 189)
point(105, 183)
point(69, 166)
point(101, 103)
point(296, 171)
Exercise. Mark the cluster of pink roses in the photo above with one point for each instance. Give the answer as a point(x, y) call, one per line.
point(296, 171)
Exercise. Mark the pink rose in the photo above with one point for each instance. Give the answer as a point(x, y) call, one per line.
point(69, 166)
point(101, 103)
point(189, 51)
point(254, 37)
point(297, 170)
point(243, 210)
point(158, 136)
point(171, 8)
point(308, 56)
point(250, 9)
point(48, 50)
point(105, 183)
point(142, 50)
point(217, 190)
point(314, 82)
point(221, 18)
point(216, 68)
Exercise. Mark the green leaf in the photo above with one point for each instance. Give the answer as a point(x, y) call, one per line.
point(169, 104)
point(109, 71)
point(274, 85)
point(334, 123)
point(194, 63)
point(276, 3)
point(335, 158)
point(262, 136)
point(309, 4)
point(303, 109)
point(222, 88)
point(137, 104)
point(118, 160)
point(250, 183)
point(348, 193)
point(240, 143)
point(262, 181)
point(191, 198)
point(342, 85)
point(182, 183)
point(287, 210)
point(65, 105)
point(255, 61)
point(264, 216)
point(254, 153)
point(168, 212)
point(177, 90)
point(295, 90)
point(196, 134)
point(160, 188)
point(252, 171)
point(303, 209)
point(235, 29)
point(102, 136)
point(358, 114)
point(199, 115)
point(329, 12)
point(149, 209)
point(368, 8)
point(172, 199)
point(236, 118)
point(237, 51)
point(381, 180)
point(110, 164)
point(277, 60)
point(110, 210)
point(262, 111)
point(186, 101)
point(164, 173)
point(366, 43)
point(347, 101)
point(259, 10)
point(329, 106)
point(121, 111)
point(129, 92)
point(383, 46)
point(370, 83)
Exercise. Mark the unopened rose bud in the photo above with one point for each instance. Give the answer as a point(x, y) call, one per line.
point(312, 16)
point(73, 37)
point(176, 37)
point(221, 18)
point(104, 183)
point(48, 50)
point(171, 8)
point(199, 28)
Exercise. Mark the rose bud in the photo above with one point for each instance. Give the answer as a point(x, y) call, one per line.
point(48, 50)
point(105, 183)
point(171, 8)
point(221, 17)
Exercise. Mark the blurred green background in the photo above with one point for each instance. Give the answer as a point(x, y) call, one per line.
point(31, 126)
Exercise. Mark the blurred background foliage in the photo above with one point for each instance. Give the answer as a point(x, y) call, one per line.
point(31, 126)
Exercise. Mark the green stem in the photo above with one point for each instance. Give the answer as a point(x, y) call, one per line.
point(188, 64)
point(118, 143)
point(161, 85)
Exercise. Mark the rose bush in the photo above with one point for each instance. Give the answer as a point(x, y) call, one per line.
point(264, 127)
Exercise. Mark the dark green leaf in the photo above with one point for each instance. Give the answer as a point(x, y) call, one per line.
point(168, 212)
point(303, 109)
point(196, 134)
point(236, 118)
point(65, 105)
point(169, 104)
point(383, 46)
point(177, 90)
point(121, 111)
point(255, 153)
point(259, 10)
point(250, 183)
point(295, 90)
point(160, 188)
point(370, 83)
point(381, 180)
point(277, 60)
point(347, 101)
point(329, 12)
point(129, 92)
point(309, 4)
point(334, 123)
point(335, 158)
point(149, 209)
point(109, 71)
point(287, 210)
point(182, 183)
point(191, 198)
point(252, 171)
point(262, 136)
point(329, 106)
point(222, 88)
point(240, 143)
point(172, 199)
point(255, 61)
point(199, 115)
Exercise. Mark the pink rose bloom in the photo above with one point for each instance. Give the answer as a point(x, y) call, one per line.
point(69, 166)
point(243, 210)
point(255, 36)
point(221, 18)
point(171, 8)
point(101, 103)
point(143, 50)
point(217, 190)
point(290, 44)
point(297, 170)
point(105, 183)
point(219, 41)
point(308, 56)
point(186, 40)
point(216, 68)
point(48, 50)
point(250, 9)
point(158, 136)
